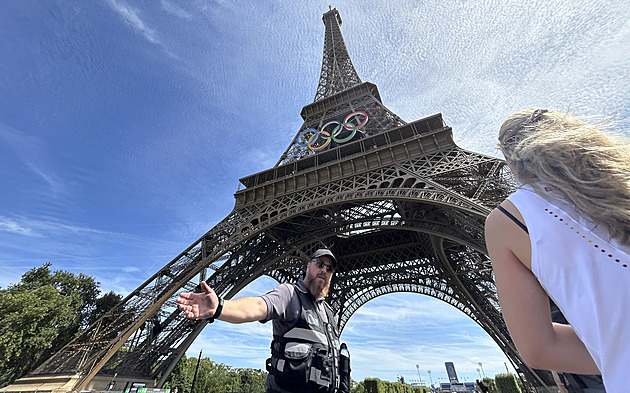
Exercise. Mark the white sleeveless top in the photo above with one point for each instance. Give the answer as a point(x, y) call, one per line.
point(587, 275)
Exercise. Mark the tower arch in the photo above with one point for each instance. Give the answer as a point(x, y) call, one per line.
point(401, 205)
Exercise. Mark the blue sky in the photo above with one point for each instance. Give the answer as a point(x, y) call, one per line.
point(125, 126)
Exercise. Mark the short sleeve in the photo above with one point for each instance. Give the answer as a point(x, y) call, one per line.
point(281, 303)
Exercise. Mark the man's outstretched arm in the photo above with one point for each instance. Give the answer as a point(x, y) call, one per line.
point(204, 305)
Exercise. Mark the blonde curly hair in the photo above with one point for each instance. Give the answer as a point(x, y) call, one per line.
point(584, 165)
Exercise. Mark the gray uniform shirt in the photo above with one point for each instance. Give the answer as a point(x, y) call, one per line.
point(283, 307)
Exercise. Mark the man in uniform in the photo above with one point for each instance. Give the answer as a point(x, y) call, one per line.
point(305, 346)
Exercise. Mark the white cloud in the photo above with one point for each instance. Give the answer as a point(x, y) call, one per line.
point(37, 227)
point(244, 344)
point(120, 261)
point(12, 226)
point(50, 177)
point(18, 140)
point(391, 334)
point(34, 155)
point(175, 10)
point(422, 332)
point(131, 16)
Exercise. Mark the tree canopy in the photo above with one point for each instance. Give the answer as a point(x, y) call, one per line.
point(42, 313)
point(215, 377)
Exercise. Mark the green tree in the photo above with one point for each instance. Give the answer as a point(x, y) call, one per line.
point(102, 305)
point(492, 387)
point(29, 328)
point(180, 378)
point(41, 314)
point(215, 378)
point(506, 383)
point(252, 381)
point(375, 385)
point(360, 388)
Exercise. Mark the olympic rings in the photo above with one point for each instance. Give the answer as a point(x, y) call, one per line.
point(315, 137)
point(361, 124)
point(311, 135)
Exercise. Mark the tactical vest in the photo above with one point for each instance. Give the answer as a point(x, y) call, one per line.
point(306, 357)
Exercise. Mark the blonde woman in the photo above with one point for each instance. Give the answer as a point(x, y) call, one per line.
point(565, 234)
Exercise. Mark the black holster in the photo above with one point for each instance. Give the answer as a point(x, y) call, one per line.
point(344, 374)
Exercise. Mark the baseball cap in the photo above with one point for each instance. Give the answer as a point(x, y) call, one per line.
point(325, 252)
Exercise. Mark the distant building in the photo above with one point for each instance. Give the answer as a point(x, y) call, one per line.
point(454, 385)
point(458, 387)
point(450, 370)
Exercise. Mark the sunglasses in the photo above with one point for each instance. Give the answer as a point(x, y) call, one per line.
point(321, 264)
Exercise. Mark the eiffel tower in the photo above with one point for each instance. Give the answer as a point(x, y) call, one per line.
point(400, 204)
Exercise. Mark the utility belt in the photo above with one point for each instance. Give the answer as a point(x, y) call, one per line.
point(301, 366)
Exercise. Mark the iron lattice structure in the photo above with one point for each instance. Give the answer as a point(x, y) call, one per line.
point(400, 204)
point(338, 73)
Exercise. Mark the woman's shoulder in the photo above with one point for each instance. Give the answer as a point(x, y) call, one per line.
point(499, 217)
point(504, 236)
point(496, 225)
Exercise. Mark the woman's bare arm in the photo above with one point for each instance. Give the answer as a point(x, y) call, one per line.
point(525, 305)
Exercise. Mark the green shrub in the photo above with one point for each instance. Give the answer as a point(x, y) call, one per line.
point(492, 387)
point(375, 385)
point(360, 388)
point(506, 383)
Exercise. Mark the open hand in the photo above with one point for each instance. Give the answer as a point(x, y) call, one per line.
point(200, 305)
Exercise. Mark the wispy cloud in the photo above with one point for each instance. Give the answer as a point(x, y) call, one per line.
point(15, 138)
point(49, 176)
point(175, 10)
point(130, 15)
point(41, 228)
point(387, 337)
point(12, 226)
point(120, 260)
point(379, 348)
point(33, 154)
